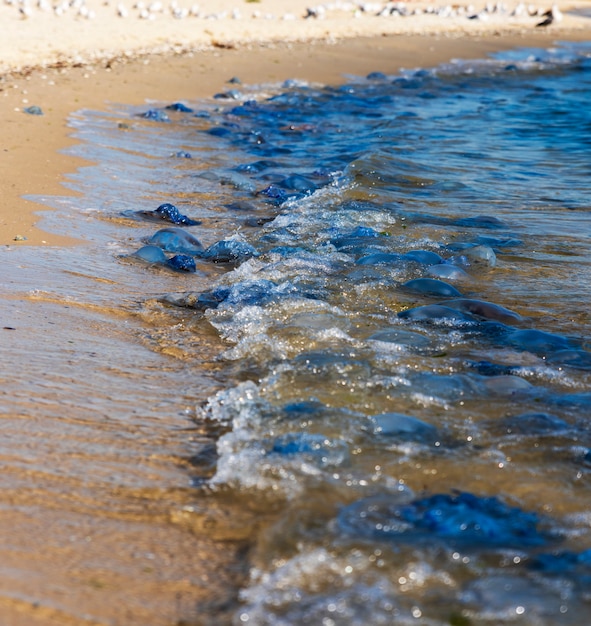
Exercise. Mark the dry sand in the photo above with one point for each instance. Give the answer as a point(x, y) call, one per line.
point(86, 55)
point(37, 32)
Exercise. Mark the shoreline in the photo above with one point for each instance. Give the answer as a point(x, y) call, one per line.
point(35, 159)
point(100, 445)
point(84, 54)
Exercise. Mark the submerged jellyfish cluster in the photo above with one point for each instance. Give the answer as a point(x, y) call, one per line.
point(186, 245)
point(385, 385)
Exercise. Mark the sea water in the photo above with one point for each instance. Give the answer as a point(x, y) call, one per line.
point(400, 432)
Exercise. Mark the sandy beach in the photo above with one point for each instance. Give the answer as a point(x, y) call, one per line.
point(62, 58)
point(72, 557)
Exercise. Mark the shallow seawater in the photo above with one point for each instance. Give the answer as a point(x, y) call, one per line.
point(401, 305)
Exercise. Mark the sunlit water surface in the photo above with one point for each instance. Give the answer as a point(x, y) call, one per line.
point(400, 428)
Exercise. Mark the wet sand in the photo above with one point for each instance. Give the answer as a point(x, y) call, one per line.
point(98, 515)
